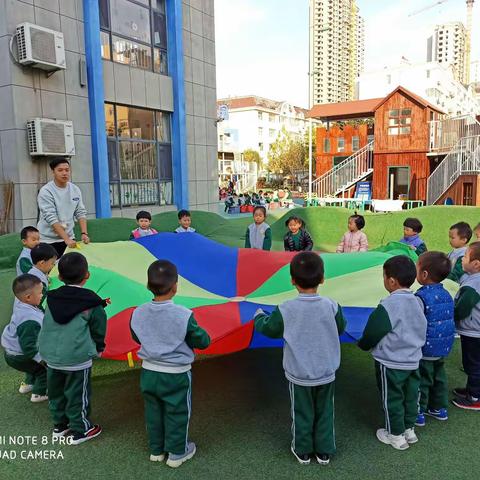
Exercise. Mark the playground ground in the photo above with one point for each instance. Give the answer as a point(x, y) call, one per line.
point(241, 414)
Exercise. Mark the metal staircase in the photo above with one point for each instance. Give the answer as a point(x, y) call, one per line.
point(346, 174)
point(463, 159)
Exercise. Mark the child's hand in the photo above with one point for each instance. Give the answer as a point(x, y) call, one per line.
point(412, 247)
point(259, 312)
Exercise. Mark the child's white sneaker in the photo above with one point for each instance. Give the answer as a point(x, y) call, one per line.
point(396, 441)
point(38, 398)
point(174, 461)
point(410, 436)
point(157, 458)
point(25, 388)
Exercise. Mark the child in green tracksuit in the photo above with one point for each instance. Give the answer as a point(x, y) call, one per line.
point(43, 257)
point(259, 234)
point(167, 334)
point(72, 335)
point(30, 238)
point(459, 235)
point(310, 326)
point(395, 333)
point(20, 336)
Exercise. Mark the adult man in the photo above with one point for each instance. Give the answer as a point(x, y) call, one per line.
point(60, 203)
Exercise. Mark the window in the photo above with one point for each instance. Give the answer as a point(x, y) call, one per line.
point(260, 131)
point(260, 116)
point(260, 146)
point(399, 121)
point(139, 156)
point(341, 144)
point(355, 143)
point(134, 33)
point(272, 132)
point(326, 145)
point(272, 117)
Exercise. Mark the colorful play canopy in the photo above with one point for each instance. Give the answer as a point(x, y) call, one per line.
point(225, 285)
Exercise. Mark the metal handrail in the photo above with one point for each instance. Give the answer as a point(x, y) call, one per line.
point(464, 158)
point(444, 134)
point(346, 173)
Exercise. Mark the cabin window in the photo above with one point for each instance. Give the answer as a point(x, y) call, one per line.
point(341, 144)
point(326, 145)
point(355, 143)
point(399, 121)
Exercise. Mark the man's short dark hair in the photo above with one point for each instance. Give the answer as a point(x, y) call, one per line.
point(143, 214)
point(263, 209)
point(402, 269)
point(56, 162)
point(436, 264)
point(359, 221)
point(26, 230)
point(183, 213)
point(463, 229)
point(414, 223)
point(306, 270)
point(296, 219)
point(43, 251)
point(162, 276)
point(72, 268)
point(24, 283)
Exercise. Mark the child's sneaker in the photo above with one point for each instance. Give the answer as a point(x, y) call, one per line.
point(25, 388)
point(60, 431)
point(78, 438)
point(440, 414)
point(38, 398)
point(322, 458)
point(157, 458)
point(396, 441)
point(174, 461)
point(410, 436)
point(420, 422)
point(468, 403)
point(302, 458)
point(460, 392)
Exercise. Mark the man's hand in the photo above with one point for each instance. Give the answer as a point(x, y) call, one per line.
point(85, 238)
point(71, 243)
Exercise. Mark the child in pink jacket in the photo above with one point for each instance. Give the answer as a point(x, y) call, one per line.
point(354, 240)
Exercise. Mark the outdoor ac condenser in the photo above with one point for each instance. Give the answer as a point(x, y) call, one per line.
point(48, 137)
point(40, 47)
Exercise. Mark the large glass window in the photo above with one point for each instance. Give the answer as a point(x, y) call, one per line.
point(139, 156)
point(134, 32)
point(399, 121)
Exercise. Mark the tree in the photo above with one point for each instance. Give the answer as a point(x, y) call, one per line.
point(250, 155)
point(287, 154)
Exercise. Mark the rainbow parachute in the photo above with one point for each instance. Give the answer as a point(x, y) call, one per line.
point(224, 286)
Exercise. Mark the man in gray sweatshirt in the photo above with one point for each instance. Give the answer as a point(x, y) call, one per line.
point(395, 333)
point(310, 326)
point(61, 205)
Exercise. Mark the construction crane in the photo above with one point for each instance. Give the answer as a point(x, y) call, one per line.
point(428, 7)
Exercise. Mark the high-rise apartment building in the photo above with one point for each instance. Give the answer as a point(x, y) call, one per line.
point(337, 48)
point(447, 46)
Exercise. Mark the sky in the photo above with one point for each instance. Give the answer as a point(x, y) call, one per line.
point(262, 45)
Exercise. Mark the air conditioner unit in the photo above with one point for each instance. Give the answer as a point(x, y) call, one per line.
point(48, 137)
point(40, 47)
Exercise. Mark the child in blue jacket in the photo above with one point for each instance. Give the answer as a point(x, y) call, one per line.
point(433, 268)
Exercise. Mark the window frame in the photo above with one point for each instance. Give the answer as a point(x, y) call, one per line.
point(398, 120)
point(161, 183)
point(152, 47)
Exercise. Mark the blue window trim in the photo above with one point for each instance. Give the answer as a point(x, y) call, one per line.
point(96, 99)
point(179, 129)
point(96, 105)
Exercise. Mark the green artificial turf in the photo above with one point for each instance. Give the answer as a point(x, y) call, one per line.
point(241, 416)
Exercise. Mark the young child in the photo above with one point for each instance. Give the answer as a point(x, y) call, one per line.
point(167, 333)
point(185, 220)
point(467, 320)
point(310, 325)
point(433, 268)
point(297, 238)
point(144, 220)
point(395, 333)
point(43, 257)
point(259, 234)
point(30, 238)
point(459, 236)
point(230, 202)
point(354, 240)
point(477, 231)
point(19, 338)
point(72, 334)
point(412, 227)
